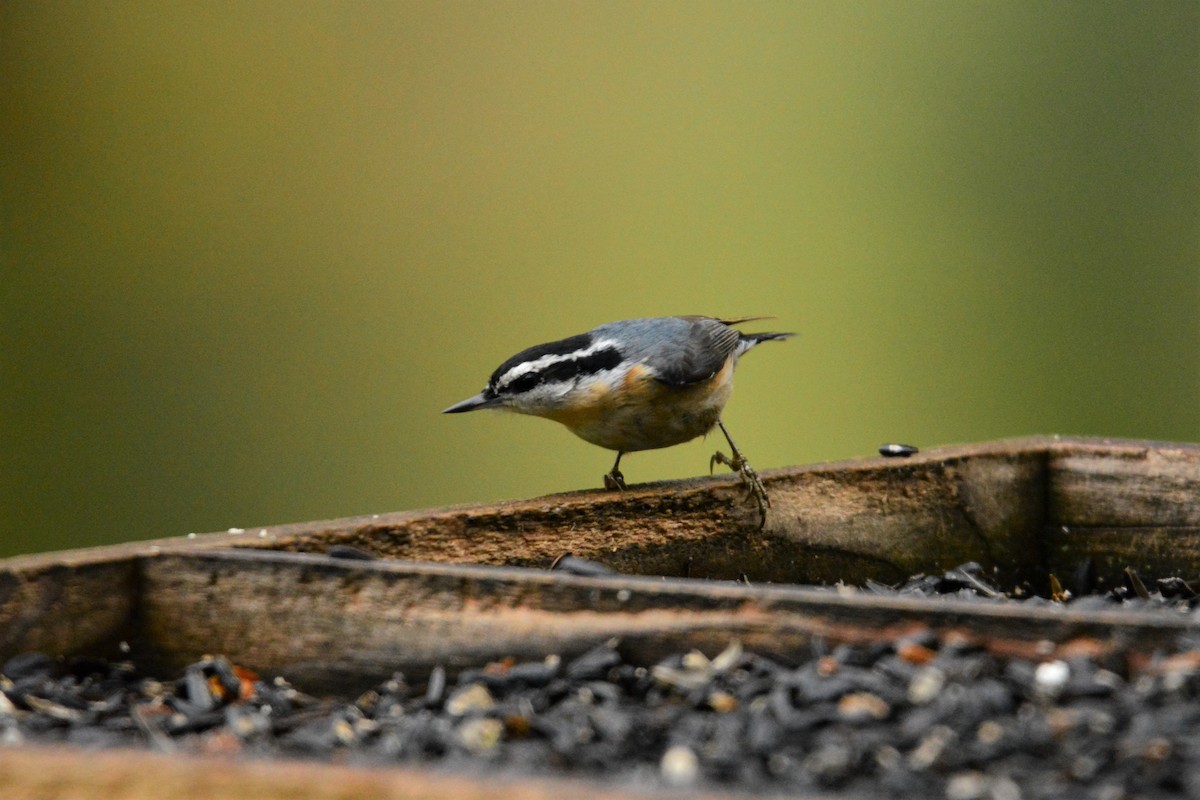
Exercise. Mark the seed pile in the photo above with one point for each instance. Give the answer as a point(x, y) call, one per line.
point(969, 581)
point(921, 716)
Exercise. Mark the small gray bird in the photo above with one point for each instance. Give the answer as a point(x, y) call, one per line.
point(636, 384)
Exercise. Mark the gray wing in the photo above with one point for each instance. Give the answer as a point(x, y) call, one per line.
point(696, 354)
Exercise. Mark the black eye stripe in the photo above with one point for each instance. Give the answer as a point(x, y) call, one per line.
point(566, 370)
point(563, 347)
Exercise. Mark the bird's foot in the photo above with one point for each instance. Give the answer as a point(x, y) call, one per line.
point(614, 481)
point(754, 484)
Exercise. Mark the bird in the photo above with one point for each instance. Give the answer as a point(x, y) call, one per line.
point(631, 385)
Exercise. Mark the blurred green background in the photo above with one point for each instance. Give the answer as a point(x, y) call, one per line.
point(251, 250)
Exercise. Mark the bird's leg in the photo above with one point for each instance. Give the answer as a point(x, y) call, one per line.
point(615, 481)
point(741, 466)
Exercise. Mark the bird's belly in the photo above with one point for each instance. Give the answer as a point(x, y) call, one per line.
point(650, 428)
point(646, 414)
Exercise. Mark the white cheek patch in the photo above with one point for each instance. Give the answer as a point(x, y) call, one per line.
point(544, 396)
point(562, 394)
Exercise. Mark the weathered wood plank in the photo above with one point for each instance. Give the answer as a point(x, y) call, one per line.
point(41, 773)
point(67, 605)
point(877, 518)
point(1001, 504)
point(1024, 507)
point(1123, 504)
point(1120, 484)
point(341, 627)
point(997, 503)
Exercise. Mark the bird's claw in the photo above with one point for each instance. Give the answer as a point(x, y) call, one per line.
point(614, 481)
point(754, 484)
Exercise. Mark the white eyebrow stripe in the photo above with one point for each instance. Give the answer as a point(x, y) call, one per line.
point(539, 364)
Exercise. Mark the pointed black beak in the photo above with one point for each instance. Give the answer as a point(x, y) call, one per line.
point(481, 400)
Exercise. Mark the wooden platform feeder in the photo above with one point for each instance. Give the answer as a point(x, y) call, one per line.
point(465, 585)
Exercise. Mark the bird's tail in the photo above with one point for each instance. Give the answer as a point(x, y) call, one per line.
point(748, 340)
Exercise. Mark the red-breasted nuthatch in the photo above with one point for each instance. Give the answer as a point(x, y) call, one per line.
point(637, 384)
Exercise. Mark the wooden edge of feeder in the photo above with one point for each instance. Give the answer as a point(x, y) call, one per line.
point(335, 626)
point(38, 772)
point(712, 502)
point(71, 604)
point(341, 628)
point(1020, 506)
point(163, 591)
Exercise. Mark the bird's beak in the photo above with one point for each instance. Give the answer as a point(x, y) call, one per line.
point(481, 400)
